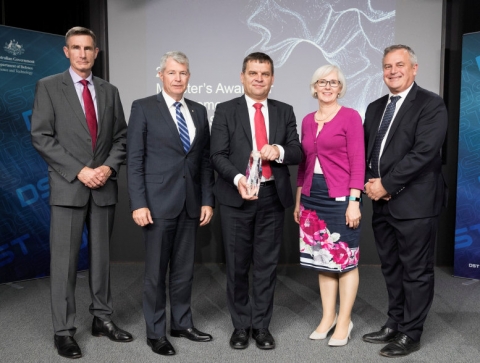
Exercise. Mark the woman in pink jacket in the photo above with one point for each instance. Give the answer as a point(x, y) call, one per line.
point(328, 201)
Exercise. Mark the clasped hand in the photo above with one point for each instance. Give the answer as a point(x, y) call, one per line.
point(375, 190)
point(94, 178)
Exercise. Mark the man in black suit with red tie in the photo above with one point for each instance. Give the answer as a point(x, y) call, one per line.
point(404, 134)
point(252, 227)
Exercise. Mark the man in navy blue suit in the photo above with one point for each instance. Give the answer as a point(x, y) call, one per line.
point(170, 182)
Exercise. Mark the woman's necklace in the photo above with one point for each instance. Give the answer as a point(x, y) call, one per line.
point(328, 116)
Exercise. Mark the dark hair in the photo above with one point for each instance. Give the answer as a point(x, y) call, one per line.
point(257, 56)
point(413, 57)
point(80, 30)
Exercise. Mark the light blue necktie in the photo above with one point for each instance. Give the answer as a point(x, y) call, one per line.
point(182, 128)
point(382, 130)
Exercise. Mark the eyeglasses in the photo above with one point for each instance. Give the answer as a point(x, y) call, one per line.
point(323, 83)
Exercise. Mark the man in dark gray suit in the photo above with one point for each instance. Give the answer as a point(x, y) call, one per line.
point(170, 182)
point(79, 129)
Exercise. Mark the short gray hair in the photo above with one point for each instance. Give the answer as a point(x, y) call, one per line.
point(413, 57)
point(324, 71)
point(80, 30)
point(177, 56)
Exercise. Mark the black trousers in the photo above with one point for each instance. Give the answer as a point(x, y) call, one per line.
point(252, 235)
point(169, 243)
point(406, 250)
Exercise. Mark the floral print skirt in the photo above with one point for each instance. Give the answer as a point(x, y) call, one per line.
point(326, 242)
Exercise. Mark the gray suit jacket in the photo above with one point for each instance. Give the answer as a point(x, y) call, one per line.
point(161, 176)
point(60, 134)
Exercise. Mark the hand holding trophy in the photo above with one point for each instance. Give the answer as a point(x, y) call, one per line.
point(254, 173)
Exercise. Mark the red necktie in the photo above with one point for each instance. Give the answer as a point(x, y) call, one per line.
point(89, 112)
point(261, 138)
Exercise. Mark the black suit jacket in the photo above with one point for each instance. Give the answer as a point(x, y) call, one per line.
point(231, 144)
point(411, 163)
point(161, 176)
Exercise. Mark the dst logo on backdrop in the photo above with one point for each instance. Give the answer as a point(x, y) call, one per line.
point(467, 223)
point(26, 57)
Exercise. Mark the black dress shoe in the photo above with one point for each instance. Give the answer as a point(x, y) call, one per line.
point(400, 347)
point(263, 338)
point(161, 346)
point(384, 335)
point(102, 328)
point(192, 334)
point(67, 347)
point(239, 338)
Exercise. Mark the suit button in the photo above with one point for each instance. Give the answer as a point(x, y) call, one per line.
point(184, 177)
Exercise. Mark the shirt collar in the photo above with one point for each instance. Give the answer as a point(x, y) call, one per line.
point(251, 102)
point(402, 94)
point(76, 78)
point(170, 101)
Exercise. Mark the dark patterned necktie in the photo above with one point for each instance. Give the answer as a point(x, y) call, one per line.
point(382, 130)
point(182, 128)
point(90, 114)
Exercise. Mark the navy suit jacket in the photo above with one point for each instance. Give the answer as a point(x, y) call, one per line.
point(411, 162)
point(232, 143)
point(161, 176)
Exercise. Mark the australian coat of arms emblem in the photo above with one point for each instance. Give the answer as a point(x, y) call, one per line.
point(14, 48)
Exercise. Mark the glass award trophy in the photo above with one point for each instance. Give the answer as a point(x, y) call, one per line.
point(254, 173)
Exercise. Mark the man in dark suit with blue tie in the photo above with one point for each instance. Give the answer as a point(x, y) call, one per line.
point(404, 134)
point(170, 182)
point(79, 128)
point(252, 227)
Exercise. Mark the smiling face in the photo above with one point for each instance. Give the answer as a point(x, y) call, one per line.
point(257, 80)
point(398, 71)
point(175, 78)
point(81, 51)
point(328, 94)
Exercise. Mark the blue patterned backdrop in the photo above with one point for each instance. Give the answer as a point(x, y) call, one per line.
point(467, 227)
point(25, 57)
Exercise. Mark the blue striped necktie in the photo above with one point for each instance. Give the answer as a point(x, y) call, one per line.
point(182, 128)
point(382, 131)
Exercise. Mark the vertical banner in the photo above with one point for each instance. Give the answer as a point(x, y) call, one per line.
point(467, 227)
point(25, 57)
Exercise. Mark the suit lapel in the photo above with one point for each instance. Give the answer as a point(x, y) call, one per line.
point(244, 119)
point(72, 99)
point(101, 102)
point(167, 118)
point(272, 122)
point(195, 115)
point(401, 112)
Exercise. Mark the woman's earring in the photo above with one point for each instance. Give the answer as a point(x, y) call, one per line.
point(315, 95)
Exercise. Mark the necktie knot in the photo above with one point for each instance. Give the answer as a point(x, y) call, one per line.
point(178, 105)
point(394, 99)
point(84, 82)
point(257, 106)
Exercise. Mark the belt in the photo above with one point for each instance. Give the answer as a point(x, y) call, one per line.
point(267, 183)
